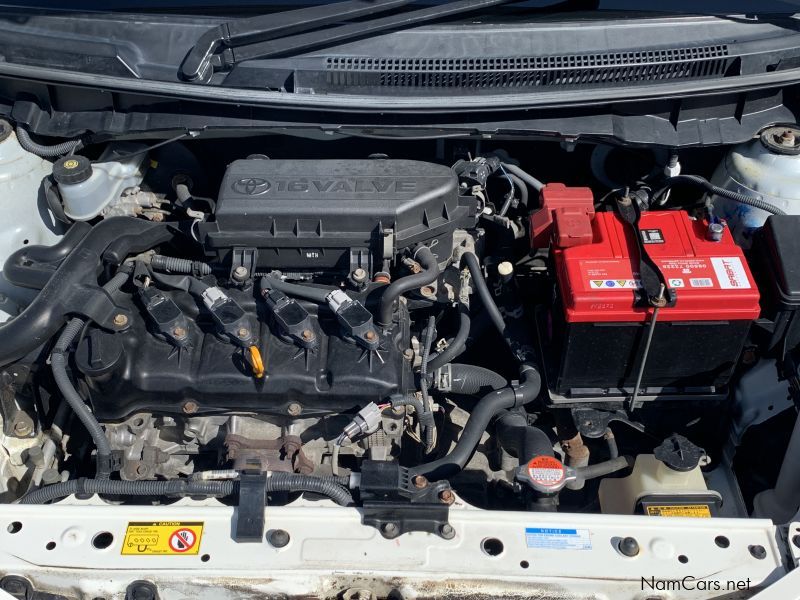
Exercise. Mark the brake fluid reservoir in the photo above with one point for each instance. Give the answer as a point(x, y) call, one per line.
point(767, 168)
point(88, 188)
point(24, 216)
point(667, 483)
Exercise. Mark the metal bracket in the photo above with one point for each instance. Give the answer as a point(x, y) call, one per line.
point(592, 423)
point(395, 503)
point(17, 422)
point(243, 257)
point(656, 291)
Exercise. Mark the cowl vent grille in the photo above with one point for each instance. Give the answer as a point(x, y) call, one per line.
point(531, 71)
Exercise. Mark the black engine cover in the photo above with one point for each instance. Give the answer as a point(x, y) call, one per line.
point(318, 214)
point(135, 371)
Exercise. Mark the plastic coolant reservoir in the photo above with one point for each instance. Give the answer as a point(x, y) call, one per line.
point(650, 477)
point(24, 216)
point(766, 168)
point(88, 188)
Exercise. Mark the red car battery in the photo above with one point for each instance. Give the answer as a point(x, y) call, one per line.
point(598, 329)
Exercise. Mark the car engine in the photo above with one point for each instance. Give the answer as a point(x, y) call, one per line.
point(400, 326)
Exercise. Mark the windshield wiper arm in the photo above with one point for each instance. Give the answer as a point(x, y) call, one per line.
point(263, 27)
point(304, 41)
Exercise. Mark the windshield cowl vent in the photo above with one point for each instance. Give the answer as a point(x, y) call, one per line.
point(491, 73)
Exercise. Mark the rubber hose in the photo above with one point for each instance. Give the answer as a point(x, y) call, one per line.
point(455, 346)
point(525, 441)
point(110, 241)
point(469, 380)
point(306, 292)
point(423, 378)
point(524, 175)
point(49, 151)
point(429, 274)
point(715, 190)
point(517, 184)
point(184, 266)
point(183, 193)
point(276, 482)
point(470, 261)
point(611, 443)
point(32, 267)
point(425, 418)
point(485, 410)
point(53, 198)
point(58, 363)
point(604, 468)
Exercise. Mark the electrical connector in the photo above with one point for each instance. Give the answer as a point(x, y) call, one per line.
point(366, 422)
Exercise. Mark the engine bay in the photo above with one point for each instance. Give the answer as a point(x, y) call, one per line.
point(397, 324)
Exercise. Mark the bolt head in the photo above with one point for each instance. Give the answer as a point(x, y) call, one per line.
point(390, 530)
point(294, 409)
point(243, 333)
point(240, 273)
point(408, 353)
point(307, 335)
point(22, 427)
point(447, 497)
point(420, 481)
point(447, 531)
point(370, 335)
point(427, 291)
point(120, 320)
point(179, 332)
point(359, 275)
point(190, 407)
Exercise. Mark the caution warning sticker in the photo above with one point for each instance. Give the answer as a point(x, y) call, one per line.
point(679, 510)
point(160, 538)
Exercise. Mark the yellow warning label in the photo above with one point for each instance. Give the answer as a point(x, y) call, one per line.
point(160, 538)
point(680, 510)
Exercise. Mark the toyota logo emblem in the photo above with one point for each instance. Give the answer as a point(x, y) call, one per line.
point(251, 186)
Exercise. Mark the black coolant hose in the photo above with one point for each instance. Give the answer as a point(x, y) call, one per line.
point(58, 363)
point(525, 176)
point(457, 345)
point(110, 241)
point(524, 441)
point(46, 151)
point(469, 380)
point(276, 482)
point(715, 190)
point(470, 261)
point(306, 292)
point(480, 417)
point(429, 274)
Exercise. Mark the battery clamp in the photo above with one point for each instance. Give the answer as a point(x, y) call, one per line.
point(655, 290)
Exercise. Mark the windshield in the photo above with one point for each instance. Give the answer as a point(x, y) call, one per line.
point(676, 6)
